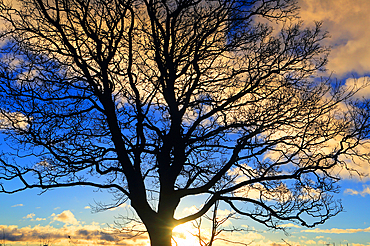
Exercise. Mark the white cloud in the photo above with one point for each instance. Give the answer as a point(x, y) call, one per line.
point(290, 225)
point(252, 236)
point(365, 191)
point(29, 216)
point(310, 242)
point(17, 205)
point(87, 207)
point(66, 217)
point(336, 230)
point(123, 205)
point(190, 210)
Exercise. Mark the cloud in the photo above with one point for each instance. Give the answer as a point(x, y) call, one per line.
point(188, 234)
point(359, 83)
point(87, 207)
point(190, 210)
point(18, 205)
point(67, 235)
point(66, 217)
point(289, 225)
point(123, 205)
point(336, 230)
point(39, 219)
point(73, 232)
point(310, 242)
point(29, 216)
point(12, 120)
point(364, 192)
point(347, 23)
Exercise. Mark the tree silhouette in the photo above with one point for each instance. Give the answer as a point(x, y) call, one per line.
point(157, 101)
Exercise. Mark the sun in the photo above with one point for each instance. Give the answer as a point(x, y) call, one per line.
point(184, 235)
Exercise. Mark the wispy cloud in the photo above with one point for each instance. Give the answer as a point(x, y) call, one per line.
point(336, 230)
point(365, 191)
point(18, 205)
point(87, 207)
point(289, 225)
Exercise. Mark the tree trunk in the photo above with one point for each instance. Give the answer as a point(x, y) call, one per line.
point(161, 223)
point(159, 227)
point(159, 235)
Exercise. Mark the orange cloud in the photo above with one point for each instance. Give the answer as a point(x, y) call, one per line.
point(73, 232)
point(347, 22)
point(77, 235)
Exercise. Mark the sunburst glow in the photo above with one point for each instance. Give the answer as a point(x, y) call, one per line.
point(186, 235)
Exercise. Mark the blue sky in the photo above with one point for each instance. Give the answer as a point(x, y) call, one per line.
point(57, 214)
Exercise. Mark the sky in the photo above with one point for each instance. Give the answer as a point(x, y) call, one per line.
point(66, 216)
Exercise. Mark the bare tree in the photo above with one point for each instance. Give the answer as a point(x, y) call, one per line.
point(160, 100)
point(217, 228)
